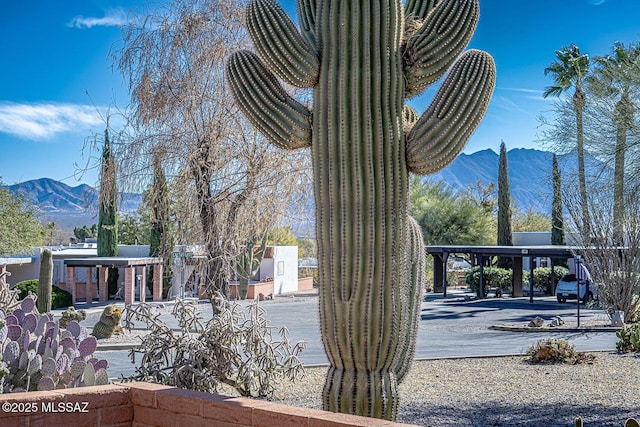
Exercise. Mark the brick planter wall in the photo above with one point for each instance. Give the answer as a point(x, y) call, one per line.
point(305, 284)
point(146, 404)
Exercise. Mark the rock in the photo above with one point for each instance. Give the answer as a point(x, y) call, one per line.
point(556, 321)
point(537, 322)
point(617, 319)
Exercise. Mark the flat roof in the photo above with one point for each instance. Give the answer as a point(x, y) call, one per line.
point(16, 260)
point(542, 250)
point(111, 261)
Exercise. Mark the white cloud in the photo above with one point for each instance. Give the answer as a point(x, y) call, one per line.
point(533, 94)
point(45, 121)
point(112, 18)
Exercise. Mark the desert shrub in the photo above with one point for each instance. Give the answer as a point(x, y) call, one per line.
point(553, 350)
point(234, 348)
point(494, 277)
point(629, 338)
point(542, 278)
point(59, 297)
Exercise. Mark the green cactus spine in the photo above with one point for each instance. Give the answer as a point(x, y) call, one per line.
point(363, 59)
point(45, 281)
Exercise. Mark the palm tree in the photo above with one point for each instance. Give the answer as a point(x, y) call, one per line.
point(570, 70)
point(615, 77)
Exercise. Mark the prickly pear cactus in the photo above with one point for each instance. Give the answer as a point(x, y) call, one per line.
point(45, 281)
point(109, 322)
point(363, 59)
point(39, 355)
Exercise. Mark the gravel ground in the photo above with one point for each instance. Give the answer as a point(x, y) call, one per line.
point(505, 391)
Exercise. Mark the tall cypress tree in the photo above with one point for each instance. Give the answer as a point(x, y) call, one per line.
point(504, 207)
point(108, 212)
point(557, 220)
point(160, 245)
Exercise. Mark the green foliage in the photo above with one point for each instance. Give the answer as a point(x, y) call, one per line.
point(234, 348)
point(553, 350)
point(84, 232)
point(132, 230)
point(20, 227)
point(59, 297)
point(158, 199)
point(108, 204)
point(557, 218)
point(629, 338)
point(248, 263)
point(501, 278)
point(504, 207)
point(447, 218)
point(282, 236)
point(530, 220)
point(494, 277)
point(542, 278)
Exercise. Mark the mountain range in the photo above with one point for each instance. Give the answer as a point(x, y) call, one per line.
point(530, 184)
point(530, 174)
point(69, 206)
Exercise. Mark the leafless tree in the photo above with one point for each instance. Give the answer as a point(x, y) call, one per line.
point(614, 267)
point(228, 182)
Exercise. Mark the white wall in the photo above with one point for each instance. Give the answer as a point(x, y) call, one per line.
point(284, 269)
point(533, 238)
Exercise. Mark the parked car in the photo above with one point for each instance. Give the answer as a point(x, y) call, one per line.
point(568, 285)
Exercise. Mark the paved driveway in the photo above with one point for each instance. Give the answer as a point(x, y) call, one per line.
point(448, 328)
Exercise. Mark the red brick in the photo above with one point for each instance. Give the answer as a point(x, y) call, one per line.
point(13, 421)
point(331, 419)
point(98, 396)
point(144, 394)
point(32, 401)
point(184, 420)
point(115, 415)
point(64, 419)
point(280, 415)
point(153, 416)
point(232, 410)
point(127, 424)
point(180, 400)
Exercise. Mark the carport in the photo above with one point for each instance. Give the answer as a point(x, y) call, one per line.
point(482, 254)
point(131, 266)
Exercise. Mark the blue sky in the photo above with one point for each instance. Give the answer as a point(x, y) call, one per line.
point(57, 82)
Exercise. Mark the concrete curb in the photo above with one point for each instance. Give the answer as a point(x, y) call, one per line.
point(547, 329)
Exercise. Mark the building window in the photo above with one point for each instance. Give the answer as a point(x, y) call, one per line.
point(280, 268)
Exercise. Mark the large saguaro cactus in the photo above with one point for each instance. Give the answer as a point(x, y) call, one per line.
point(363, 59)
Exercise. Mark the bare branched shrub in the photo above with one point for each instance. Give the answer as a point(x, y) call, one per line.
point(614, 265)
point(226, 183)
point(235, 347)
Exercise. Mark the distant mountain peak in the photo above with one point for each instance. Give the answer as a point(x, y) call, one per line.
point(55, 196)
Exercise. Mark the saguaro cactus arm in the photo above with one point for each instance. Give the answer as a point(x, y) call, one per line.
point(419, 8)
point(456, 111)
point(280, 45)
point(280, 118)
point(434, 47)
point(307, 18)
